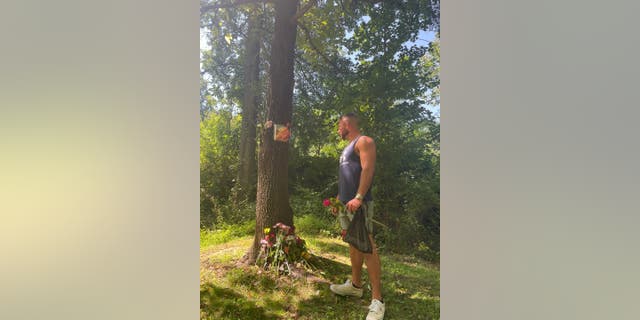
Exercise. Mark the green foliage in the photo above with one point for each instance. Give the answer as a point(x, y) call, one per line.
point(225, 233)
point(307, 201)
point(431, 71)
point(219, 133)
point(315, 224)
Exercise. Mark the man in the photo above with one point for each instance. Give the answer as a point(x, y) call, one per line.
point(357, 164)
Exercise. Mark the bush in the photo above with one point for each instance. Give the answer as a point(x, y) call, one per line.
point(226, 233)
point(313, 224)
point(406, 236)
point(227, 214)
point(306, 201)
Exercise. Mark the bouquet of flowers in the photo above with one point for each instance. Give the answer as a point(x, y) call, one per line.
point(282, 248)
point(336, 207)
point(333, 203)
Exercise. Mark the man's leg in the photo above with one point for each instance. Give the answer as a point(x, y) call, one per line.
point(373, 268)
point(357, 258)
point(353, 287)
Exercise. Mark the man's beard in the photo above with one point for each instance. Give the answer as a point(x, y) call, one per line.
point(344, 134)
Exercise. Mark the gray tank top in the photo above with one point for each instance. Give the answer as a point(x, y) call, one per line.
point(349, 174)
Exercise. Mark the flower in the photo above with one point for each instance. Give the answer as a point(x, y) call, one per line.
point(281, 246)
point(333, 204)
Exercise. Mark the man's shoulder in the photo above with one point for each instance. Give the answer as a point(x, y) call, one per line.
point(364, 141)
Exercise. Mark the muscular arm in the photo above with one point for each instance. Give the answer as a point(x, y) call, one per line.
point(367, 151)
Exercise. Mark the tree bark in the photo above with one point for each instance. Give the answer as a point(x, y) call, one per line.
point(272, 197)
point(246, 178)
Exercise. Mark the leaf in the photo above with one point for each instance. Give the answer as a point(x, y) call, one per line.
point(228, 38)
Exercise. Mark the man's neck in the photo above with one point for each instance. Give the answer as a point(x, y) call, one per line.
point(353, 135)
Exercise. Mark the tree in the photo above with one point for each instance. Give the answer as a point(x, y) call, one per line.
point(234, 66)
point(246, 178)
point(272, 198)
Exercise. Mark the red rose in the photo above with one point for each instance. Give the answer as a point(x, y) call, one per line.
point(326, 202)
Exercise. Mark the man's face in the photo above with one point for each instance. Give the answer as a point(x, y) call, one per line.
point(343, 128)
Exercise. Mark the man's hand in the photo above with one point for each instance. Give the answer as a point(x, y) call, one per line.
point(354, 204)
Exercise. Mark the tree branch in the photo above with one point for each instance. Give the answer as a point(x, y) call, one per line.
point(316, 49)
point(205, 8)
point(303, 10)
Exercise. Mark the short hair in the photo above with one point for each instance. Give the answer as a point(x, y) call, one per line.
point(353, 118)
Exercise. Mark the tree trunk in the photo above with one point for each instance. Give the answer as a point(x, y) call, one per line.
point(246, 178)
point(272, 198)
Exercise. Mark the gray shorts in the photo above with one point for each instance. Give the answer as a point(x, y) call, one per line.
point(345, 217)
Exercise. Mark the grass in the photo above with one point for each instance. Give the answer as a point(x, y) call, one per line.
point(225, 234)
point(229, 290)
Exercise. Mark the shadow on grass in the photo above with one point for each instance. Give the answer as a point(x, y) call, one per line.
point(331, 270)
point(410, 288)
point(222, 303)
point(331, 247)
point(410, 292)
point(326, 305)
point(402, 276)
point(251, 280)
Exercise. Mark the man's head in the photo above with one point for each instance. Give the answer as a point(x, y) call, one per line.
point(348, 124)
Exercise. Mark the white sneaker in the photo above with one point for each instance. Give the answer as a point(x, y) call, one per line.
point(376, 310)
point(346, 289)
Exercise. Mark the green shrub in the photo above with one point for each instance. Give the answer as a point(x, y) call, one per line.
point(227, 214)
point(306, 201)
point(226, 233)
point(313, 224)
